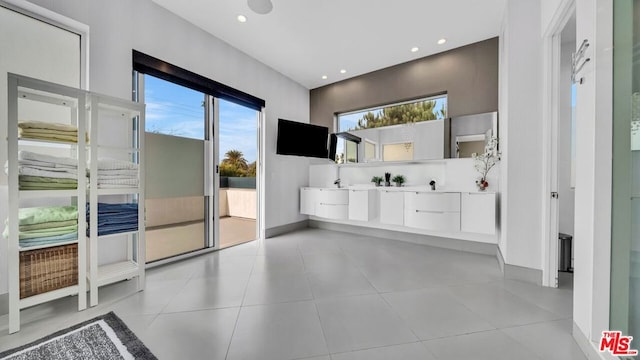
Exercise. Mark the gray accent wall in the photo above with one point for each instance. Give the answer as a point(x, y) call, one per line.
point(468, 75)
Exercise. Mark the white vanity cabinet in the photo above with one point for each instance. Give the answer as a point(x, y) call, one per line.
point(362, 204)
point(478, 213)
point(332, 203)
point(438, 211)
point(308, 200)
point(391, 207)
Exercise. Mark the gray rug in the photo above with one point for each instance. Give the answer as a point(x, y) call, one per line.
point(104, 337)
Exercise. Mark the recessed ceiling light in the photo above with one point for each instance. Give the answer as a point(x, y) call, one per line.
point(415, 49)
point(324, 77)
point(343, 71)
point(242, 18)
point(442, 41)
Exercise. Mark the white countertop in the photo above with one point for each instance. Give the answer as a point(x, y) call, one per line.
point(418, 188)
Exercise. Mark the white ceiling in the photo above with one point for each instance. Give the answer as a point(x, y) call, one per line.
point(305, 39)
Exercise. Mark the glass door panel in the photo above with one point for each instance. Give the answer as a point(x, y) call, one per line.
point(176, 205)
point(237, 163)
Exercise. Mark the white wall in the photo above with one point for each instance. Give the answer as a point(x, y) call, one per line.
point(593, 171)
point(521, 135)
point(117, 27)
point(449, 174)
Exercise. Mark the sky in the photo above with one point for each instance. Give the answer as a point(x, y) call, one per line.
point(176, 110)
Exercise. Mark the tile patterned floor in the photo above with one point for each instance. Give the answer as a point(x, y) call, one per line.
point(317, 294)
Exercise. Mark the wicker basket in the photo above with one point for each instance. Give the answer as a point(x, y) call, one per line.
point(48, 269)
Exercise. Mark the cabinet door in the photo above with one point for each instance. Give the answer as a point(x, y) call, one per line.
point(392, 207)
point(308, 200)
point(432, 220)
point(333, 196)
point(478, 213)
point(361, 205)
point(332, 211)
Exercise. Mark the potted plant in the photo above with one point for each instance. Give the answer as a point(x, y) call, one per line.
point(376, 180)
point(398, 179)
point(485, 161)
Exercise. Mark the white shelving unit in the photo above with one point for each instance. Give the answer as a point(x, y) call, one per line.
point(23, 93)
point(129, 117)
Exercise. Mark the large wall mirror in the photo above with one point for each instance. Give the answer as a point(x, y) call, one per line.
point(410, 131)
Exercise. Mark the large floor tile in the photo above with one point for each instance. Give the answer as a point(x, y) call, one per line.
point(191, 335)
point(216, 266)
point(287, 263)
point(394, 277)
point(154, 298)
point(435, 313)
point(361, 322)
point(326, 260)
point(550, 340)
point(279, 332)
point(209, 293)
point(412, 351)
point(558, 301)
point(500, 307)
point(269, 288)
point(339, 283)
point(487, 345)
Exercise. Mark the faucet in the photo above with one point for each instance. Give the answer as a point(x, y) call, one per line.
point(433, 185)
point(337, 182)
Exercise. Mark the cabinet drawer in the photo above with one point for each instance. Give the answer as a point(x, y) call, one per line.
point(332, 211)
point(330, 196)
point(429, 201)
point(432, 220)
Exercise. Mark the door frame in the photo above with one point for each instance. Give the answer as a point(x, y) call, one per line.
point(551, 44)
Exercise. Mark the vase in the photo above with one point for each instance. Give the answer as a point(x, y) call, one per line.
point(482, 184)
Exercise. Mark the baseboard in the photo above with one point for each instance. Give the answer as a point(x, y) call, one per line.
point(4, 304)
point(453, 244)
point(589, 348)
point(500, 259)
point(283, 229)
point(520, 273)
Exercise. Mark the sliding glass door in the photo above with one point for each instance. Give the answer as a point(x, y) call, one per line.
point(202, 166)
point(237, 163)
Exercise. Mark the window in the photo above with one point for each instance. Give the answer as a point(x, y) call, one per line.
point(386, 133)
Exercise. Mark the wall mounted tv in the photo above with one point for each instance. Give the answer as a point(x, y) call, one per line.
point(296, 138)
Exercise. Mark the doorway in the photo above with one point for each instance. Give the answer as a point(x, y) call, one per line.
point(559, 150)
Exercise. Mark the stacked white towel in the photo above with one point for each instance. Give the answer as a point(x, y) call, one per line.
point(42, 172)
point(113, 173)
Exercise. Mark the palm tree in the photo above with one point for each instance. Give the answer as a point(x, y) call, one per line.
point(236, 159)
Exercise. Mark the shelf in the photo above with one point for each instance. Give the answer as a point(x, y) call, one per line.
point(37, 194)
point(119, 191)
point(46, 143)
point(118, 234)
point(28, 248)
point(111, 273)
point(48, 296)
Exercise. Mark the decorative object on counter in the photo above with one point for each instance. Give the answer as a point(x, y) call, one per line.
point(376, 180)
point(485, 161)
point(432, 183)
point(398, 179)
point(387, 179)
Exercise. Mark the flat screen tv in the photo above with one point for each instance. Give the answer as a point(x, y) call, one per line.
point(296, 138)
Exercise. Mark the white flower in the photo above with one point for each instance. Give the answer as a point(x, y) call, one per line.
point(485, 161)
